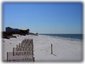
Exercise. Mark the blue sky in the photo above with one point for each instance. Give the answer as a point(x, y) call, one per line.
point(59, 18)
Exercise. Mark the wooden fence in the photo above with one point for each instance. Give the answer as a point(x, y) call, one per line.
point(22, 52)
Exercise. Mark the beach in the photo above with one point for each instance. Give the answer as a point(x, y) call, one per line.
point(63, 49)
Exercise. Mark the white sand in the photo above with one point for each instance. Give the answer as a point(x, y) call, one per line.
point(63, 49)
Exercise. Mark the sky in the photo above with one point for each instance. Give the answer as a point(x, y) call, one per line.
point(52, 18)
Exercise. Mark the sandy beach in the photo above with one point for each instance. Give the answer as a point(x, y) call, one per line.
point(63, 49)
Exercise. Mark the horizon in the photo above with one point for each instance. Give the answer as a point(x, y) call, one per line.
point(54, 18)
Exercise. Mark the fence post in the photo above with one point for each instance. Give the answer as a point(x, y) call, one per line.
point(13, 51)
point(51, 49)
point(7, 56)
point(32, 50)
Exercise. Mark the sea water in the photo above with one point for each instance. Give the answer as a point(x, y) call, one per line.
point(72, 36)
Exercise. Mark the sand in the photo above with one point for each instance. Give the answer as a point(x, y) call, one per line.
point(63, 49)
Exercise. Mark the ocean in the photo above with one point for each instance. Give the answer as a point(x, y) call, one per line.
point(72, 36)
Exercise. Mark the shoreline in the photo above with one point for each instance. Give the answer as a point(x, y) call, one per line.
point(68, 38)
point(63, 38)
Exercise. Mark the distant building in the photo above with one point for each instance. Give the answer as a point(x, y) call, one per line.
point(10, 31)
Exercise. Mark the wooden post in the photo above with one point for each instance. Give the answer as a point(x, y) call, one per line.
point(7, 56)
point(13, 51)
point(33, 59)
point(51, 49)
point(32, 46)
